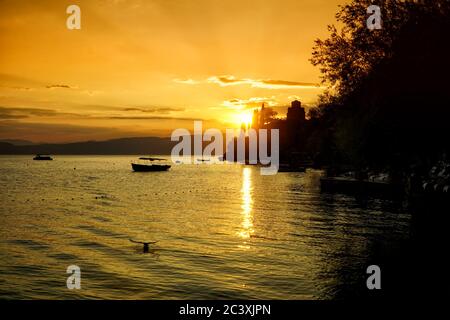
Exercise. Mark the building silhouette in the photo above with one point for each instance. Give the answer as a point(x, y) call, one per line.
point(296, 113)
point(295, 126)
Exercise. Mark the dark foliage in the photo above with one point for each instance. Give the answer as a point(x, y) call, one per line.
point(389, 105)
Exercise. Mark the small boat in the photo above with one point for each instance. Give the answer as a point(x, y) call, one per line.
point(149, 167)
point(42, 157)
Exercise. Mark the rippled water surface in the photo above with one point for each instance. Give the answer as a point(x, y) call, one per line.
point(223, 231)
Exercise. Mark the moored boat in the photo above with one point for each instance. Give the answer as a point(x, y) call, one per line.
point(42, 157)
point(147, 166)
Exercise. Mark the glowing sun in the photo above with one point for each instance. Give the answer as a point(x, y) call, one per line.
point(244, 118)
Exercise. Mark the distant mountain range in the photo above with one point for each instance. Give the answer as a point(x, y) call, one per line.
point(18, 142)
point(138, 146)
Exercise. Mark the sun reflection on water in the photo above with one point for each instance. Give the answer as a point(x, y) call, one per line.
point(247, 204)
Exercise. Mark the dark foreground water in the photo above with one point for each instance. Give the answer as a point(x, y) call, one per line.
point(223, 231)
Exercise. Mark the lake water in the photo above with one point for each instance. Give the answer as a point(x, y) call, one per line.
point(223, 231)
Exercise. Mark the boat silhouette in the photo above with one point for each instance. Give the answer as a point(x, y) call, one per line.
point(42, 157)
point(146, 165)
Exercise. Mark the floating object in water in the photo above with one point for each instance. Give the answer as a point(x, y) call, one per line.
point(42, 157)
point(147, 167)
point(146, 244)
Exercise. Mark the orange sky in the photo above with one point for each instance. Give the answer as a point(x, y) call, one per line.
point(146, 67)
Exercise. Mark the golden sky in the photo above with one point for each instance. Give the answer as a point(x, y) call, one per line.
point(146, 67)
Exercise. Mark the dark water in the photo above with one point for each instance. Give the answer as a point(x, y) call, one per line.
point(223, 231)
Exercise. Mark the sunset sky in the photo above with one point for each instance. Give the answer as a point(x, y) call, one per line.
point(146, 67)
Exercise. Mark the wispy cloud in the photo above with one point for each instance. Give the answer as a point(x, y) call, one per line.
point(258, 83)
point(229, 80)
point(21, 113)
point(7, 113)
point(16, 88)
point(250, 103)
point(153, 118)
point(57, 132)
point(60, 86)
point(161, 110)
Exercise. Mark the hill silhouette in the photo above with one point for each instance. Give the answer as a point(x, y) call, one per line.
point(138, 145)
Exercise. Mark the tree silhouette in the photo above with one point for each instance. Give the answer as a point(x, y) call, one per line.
point(348, 56)
point(388, 101)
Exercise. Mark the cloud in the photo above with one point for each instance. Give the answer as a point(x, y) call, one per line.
point(56, 132)
point(20, 113)
point(265, 84)
point(6, 116)
point(152, 118)
point(225, 81)
point(251, 103)
point(16, 88)
point(15, 82)
point(60, 86)
point(161, 110)
point(7, 113)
